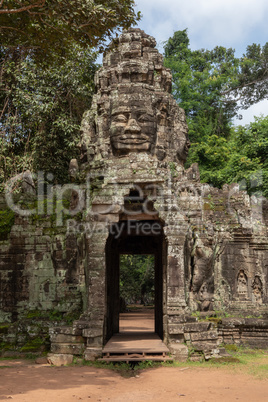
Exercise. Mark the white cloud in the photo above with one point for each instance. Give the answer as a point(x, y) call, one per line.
point(210, 22)
point(260, 108)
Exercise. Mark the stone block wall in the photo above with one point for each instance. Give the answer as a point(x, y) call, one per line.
point(250, 332)
point(41, 268)
point(193, 339)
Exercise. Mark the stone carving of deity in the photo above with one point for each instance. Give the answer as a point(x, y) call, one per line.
point(242, 284)
point(257, 290)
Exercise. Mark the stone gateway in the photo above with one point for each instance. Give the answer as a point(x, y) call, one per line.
point(210, 245)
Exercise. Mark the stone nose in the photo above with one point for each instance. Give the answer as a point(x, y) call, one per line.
point(132, 126)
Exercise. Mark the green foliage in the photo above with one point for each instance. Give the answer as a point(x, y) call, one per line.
point(211, 86)
point(242, 159)
point(137, 278)
point(46, 78)
point(173, 170)
point(42, 108)
point(209, 83)
point(45, 28)
point(199, 77)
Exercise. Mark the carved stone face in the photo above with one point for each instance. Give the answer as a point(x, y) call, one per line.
point(132, 127)
point(133, 109)
point(183, 146)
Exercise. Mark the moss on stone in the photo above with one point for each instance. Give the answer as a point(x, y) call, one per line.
point(7, 218)
point(33, 345)
point(4, 328)
point(215, 320)
point(71, 317)
point(34, 314)
point(231, 347)
point(225, 360)
point(50, 315)
point(56, 207)
point(6, 346)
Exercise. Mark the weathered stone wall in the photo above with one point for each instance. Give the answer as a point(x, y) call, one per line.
point(228, 244)
point(41, 268)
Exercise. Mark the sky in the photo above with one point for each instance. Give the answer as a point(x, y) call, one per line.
point(210, 23)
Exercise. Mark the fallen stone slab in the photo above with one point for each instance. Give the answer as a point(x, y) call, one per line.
point(59, 359)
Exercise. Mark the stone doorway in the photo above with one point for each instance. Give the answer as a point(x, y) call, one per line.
point(134, 237)
point(137, 292)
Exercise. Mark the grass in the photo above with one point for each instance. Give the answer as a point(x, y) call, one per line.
point(253, 362)
point(242, 360)
point(31, 357)
point(126, 370)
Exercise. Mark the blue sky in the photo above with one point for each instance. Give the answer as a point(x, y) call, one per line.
point(229, 23)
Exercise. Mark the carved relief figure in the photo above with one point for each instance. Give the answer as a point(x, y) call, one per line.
point(242, 284)
point(202, 279)
point(202, 260)
point(257, 290)
point(206, 295)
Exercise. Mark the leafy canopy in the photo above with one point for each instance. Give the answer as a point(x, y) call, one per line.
point(243, 158)
point(211, 86)
point(45, 27)
point(137, 278)
point(41, 111)
point(46, 77)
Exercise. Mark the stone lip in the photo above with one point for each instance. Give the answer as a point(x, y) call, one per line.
point(244, 322)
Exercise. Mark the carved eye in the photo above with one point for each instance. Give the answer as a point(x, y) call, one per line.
point(120, 118)
point(145, 117)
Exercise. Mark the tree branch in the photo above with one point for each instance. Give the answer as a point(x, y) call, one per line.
point(4, 108)
point(14, 29)
point(50, 26)
point(21, 9)
point(244, 85)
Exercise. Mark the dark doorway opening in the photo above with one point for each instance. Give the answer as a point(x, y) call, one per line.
point(137, 292)
point(133, 238)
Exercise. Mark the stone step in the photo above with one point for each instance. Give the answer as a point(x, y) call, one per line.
point(68, 348)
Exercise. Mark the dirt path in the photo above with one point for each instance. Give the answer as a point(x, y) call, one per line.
point(141, 320)
point(21, 381)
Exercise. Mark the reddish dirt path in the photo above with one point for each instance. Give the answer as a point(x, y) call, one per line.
point(42, 383)
point(140, 320)
point(25, 382)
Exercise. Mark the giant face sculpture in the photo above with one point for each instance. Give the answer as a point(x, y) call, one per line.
point(133, 109)
point(132, 126)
